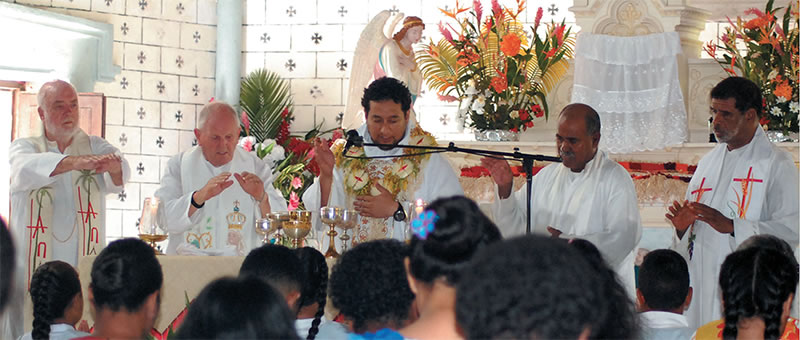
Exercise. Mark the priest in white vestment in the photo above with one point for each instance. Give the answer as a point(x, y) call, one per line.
point(213, 193)
point(587, 196)
point(59, 182)
point(745, 186)
point(381, 189)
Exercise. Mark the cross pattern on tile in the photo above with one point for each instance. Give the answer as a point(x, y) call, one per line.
point(291, 12)
point(315, 92)
point(341, 64)
point(196, 89)
point(339, 118)
point(394, 10)
point(196, 36)
point(141, 112)
point(552, 9)
point(290, 65)
point(123, 139)
point(138, 222)
point(179, 62)
point(178, 116)
point(443, 119)
point(160, 142)
point(141, 57)
point(122, 196)
point(161, 87)
point(194, 141)
point(143, 4)
point(124, 28)
point(180, 8)
point(342, 11)
point(124, 83)
point(140, 169)
point(265, 37)
point(108, 2)
point(316, 38)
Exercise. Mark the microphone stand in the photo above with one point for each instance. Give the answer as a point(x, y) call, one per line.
point(526, 159)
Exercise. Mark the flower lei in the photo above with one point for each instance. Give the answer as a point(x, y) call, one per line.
point(358, 181)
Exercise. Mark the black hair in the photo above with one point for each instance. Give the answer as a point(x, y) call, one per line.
point(529, 287)
point(276, 264)
point(767, 241)
point(386, 88)
point(664, 280)
point(618, 320)
point(755, 282)
point(590, 115)
point(124, 274)
point(746, 93)
point(7, 261)
point(238, 308)
point(461, 229)
point(54, 286)
point(369, 286)
point(315, 284)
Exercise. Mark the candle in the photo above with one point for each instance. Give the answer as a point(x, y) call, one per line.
point(419, 206)
point(153, 214)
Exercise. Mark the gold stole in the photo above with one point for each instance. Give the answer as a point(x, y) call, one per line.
point(89, 206)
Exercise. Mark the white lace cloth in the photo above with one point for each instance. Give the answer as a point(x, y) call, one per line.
point(633, 84)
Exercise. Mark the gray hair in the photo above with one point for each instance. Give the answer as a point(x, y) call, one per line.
point(48, 88)
point(202, 118)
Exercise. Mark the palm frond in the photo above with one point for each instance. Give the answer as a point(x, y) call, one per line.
point(440, 69)
point(263, 96)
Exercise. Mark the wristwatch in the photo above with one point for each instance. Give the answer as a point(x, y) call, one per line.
point(400, 213)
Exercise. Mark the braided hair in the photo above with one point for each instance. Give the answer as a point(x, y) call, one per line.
point(315, 284)
point(756, 282)
point(53, 287)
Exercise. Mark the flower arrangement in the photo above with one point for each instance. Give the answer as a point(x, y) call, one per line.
point(765, 50)
point(487, 63)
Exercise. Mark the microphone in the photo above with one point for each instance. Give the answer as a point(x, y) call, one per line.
point(353, 139)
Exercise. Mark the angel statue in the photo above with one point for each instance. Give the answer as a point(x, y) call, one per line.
point(383, 56)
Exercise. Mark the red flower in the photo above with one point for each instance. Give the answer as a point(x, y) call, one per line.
point(510, 45)
point(537, 111)
point(514, 129)
point(529, 124)
point(538, 18)
point(499, 83)
point(523, 115)
point(283, 133)
point(763, 121)
point(337, 134)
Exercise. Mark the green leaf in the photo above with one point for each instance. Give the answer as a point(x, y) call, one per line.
point(264, 96)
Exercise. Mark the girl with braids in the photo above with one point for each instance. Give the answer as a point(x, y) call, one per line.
point(311, 322)
point(758, 286)
point(57, 302)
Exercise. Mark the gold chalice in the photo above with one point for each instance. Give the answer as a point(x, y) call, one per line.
point(266, 227)
point(280, 218)
point(349, 221)
point(296, 230)
point(332, 216)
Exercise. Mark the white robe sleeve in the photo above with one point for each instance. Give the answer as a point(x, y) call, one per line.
point(101, 147)
point(509, 214)
point(175, 203)
point(440, 180)
point(276, 200)
point(30, 169)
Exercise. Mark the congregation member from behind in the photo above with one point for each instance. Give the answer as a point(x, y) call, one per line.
point(57, 302)
point(125, 290)
point(531, 287)
point(7, 263)
point(368, 285)
point(663, 295)
point(238, 308)
point(311, 322)
point(446, 237)
point(278, 266)
point(758, 286)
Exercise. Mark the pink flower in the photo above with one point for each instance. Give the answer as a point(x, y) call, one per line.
point(294, 201)
point(448, 98)
point(539, 13)
point(447, 35)
point(297, 183)
point(476, 5)
point(246, 122)
point(247, 143)
point(496, 9)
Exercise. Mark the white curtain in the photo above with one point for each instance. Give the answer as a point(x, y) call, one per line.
point(633, 84)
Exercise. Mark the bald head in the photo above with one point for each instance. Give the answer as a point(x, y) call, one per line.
point(59, 111)
point(49, 88)
point(217, 132)
point(589, 115)
point(578, 135)
point(216, 108)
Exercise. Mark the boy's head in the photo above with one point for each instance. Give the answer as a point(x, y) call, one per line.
point(278, 266)
point(664, 282)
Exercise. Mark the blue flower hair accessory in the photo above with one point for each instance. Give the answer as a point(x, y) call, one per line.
point(423, 225)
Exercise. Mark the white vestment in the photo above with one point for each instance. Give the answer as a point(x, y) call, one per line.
point(658, 325)
point(438, 180)
point(770, 207)
point(597, 204)
point(31, 170)
point(225, 223)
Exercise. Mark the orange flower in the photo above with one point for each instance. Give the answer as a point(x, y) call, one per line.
point(783, 90)
point(551, 52)
point(755, 23)
point(510, 45)
point(499, 83)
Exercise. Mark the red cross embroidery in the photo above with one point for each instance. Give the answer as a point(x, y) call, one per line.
point(35, 228)
point(699, 192)
point(746, 181)
point(746, 194)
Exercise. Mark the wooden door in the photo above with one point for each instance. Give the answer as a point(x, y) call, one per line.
point(92, 115)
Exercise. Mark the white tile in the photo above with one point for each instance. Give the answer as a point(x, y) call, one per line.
point(142, 58)
point(127, 199)
point(329, 116)
point(429, 10)
point(317, 91)
point(160, 142)
point(35, 2)
point(196, 90)
point(292, 65)
point(292, 12)
point(198, 37)
point(126, 84)
point(316, 37)
point(303, 119)
point(179, 10)
point(159, 86)
point(254, 12)
point(161, 32)
point(127, 139)
point(207, 12)
point(113, 223)
point(109, 6)
point(350, 35)
point(114, 111)
point(407, 7)
point(144, 8)
point(144, 169)
point(117, 53)
point(127, 29)
point(206, 64)
point(76, 4)
point(178, 61)
point(342, 12)
point(186, 141)
point(86, 14)
point(177, 116)
point(142, 113)
point(130, 221)
point(252, 61)
point(334, 64)
point(265, 38)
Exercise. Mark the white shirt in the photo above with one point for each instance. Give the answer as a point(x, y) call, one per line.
point(597, 204)
point(60, 331)
point(664, 326)
point(327, 329)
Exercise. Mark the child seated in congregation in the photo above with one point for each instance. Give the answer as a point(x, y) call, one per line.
point(57, 302)
point(311, 322)
point(663, 295)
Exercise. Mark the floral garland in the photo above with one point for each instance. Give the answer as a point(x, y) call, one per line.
point(358, 181)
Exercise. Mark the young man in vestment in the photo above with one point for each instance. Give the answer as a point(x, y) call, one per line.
point(213, 192)
point(379, 189)
point(745, 186)
point(587, 196)
point(59, 182)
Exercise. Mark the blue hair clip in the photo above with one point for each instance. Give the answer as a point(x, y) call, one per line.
point(423, 225)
